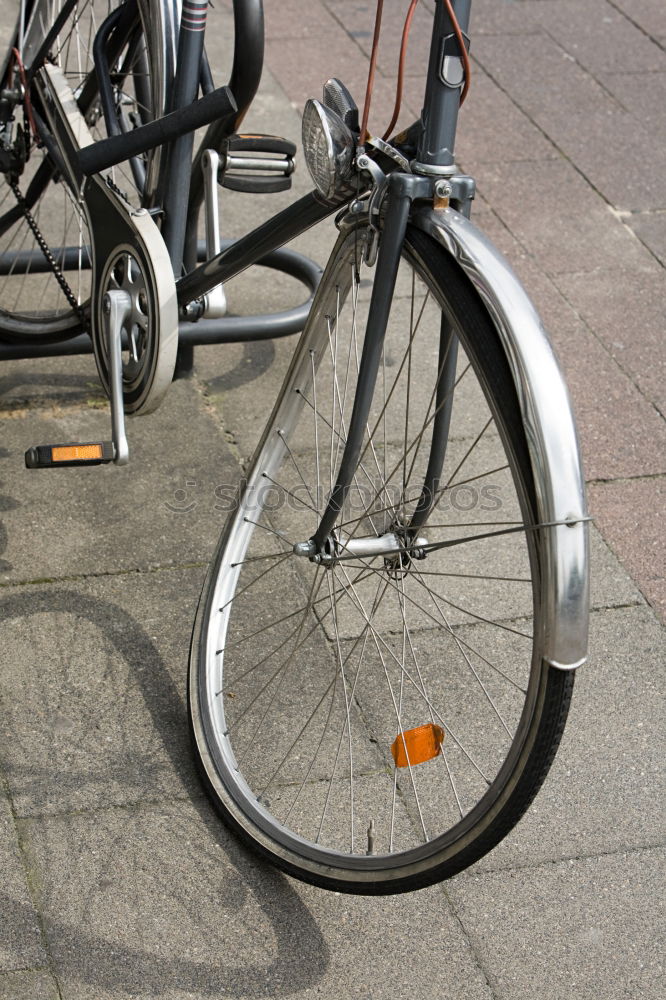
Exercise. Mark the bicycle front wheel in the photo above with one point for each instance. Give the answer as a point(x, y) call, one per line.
point(376, 721)
point(32, 303)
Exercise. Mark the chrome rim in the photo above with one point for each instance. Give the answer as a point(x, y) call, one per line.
point(313, 673)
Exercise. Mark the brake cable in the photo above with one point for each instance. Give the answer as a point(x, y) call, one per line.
point(467, 70)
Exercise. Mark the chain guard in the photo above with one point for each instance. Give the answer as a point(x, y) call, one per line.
point(118, 232)
point(122, 234)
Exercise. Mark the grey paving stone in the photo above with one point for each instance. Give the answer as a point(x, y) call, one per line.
point(290, 20)
point(650, 228)
point(630, 515)
point(505, 17)
point(649, 15)
point(642, 94)
point(616, 153)
point(7, 30)
point(580, 929)
point(37, 985)
point(93, 686)
point(242, 382)
point(332, 55)
point(600, 38)
point(492, 129)
point(610, 584)
point(162, 902)
point(155, 511)
point(20, 936)
point(625, 309)
point(600, 390)
point(330, 52)
point(43, 383)
point(602, 393)
point(540, 75)
point(605, 788)
point(358, 20)
point(572, 233)
point(583, 112)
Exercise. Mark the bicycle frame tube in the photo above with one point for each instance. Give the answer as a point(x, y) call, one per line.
point(442, 95)
point(249, 249)
point(244, 81)
point(180, 175)
point(177, 164)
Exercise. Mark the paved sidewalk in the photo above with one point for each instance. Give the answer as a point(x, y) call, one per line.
point(116, 879)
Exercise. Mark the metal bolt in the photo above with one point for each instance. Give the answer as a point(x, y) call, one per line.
point(308, 548)
point(443, 189)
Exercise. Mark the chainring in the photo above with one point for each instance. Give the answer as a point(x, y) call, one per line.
point(127, 252)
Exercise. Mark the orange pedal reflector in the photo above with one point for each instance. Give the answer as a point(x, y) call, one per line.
point(53, 456)
point(76, 452)
point(415, 746)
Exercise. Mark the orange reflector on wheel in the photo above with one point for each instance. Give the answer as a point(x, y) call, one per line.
point(415, 746)
point(76, 453)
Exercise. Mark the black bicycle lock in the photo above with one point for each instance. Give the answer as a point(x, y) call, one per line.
point(108, 152)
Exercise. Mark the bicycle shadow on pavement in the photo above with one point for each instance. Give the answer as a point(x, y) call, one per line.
point(164, 873)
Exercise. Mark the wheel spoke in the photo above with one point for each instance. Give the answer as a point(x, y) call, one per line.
point(31, 299)
point(389, 681)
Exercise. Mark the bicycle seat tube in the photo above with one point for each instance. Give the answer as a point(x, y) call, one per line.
point(175, 181)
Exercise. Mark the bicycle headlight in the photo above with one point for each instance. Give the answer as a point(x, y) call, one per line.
point(328, 145)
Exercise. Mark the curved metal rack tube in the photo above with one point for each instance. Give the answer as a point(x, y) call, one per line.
point(227, 330)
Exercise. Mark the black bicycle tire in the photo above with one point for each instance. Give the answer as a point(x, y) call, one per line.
point(555, 686)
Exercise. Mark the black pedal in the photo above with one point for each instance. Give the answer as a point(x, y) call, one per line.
point(55, 456)
point(250, 143)
point(260, 164)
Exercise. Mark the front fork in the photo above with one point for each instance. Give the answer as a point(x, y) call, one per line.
point(402, 191)
point(398, 205)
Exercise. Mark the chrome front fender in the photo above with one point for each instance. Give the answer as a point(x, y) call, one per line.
point(549, 425)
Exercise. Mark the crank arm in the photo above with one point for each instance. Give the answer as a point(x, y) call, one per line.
point(117, 308)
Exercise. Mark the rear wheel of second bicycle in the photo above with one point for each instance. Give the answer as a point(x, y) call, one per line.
point(376, 721)
point(32, 304)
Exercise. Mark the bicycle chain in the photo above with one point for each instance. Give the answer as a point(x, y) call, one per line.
point(50, 259)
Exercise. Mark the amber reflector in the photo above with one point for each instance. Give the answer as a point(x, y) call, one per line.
point(415, 746)
point(76, 453)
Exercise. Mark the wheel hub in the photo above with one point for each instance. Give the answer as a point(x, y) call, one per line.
point(397, 548)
